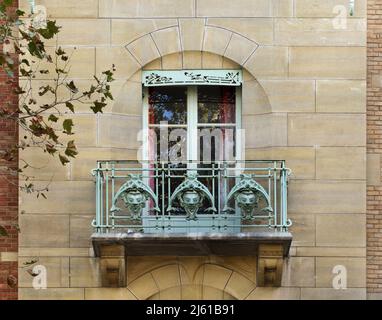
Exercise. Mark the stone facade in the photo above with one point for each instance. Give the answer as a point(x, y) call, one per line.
point(303, 100)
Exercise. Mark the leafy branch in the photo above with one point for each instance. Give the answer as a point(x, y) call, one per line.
point(41, 112)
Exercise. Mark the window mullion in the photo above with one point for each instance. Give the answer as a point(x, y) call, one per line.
point(192, 123)
point(240, 138)
point(145, 127)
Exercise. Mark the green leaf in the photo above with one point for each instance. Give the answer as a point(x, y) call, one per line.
point(68, 125)
point(19, 90)
point(60, 71)
point(60, 52)
point(29, 188)
point(71, 150)
point(50, 31)
point(20, 12)
point(72, 87)
point(3, 232)
point(109, 75)
point(108, 94)
point(70, 106)
point(90, 92)
point(64, 160)
point(25, 73)
point(45, 89)
point(4, 4)
point(98, 106)
point(50, 149)
point(26, 62)
point(35, 50)
point(53, 118)
point(50, 132)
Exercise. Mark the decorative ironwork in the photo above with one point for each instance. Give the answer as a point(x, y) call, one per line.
point(134, 194)
point(190, 194)
point(185, 196)
point(247, 194)
point(156, 79)
point(189, 77)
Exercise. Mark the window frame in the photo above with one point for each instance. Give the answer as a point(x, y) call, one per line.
point(192, 125)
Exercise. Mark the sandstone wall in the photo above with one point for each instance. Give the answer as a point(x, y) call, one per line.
point(304, 100)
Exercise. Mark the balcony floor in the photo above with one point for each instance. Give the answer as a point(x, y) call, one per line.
point(191, 244)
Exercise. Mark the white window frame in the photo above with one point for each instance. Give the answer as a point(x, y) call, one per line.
point(192, 120)
point(215, 78)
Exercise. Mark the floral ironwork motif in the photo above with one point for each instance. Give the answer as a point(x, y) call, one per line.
point(229, 78)
point(154, 78)
point(134, 194)
point(247, 194)
point(190, 194)
point(201, 77)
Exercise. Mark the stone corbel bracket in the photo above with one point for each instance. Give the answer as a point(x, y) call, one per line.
point(270, 261)
point(113, 266)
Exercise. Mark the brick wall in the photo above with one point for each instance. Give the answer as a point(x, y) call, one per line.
point(8, 194)
point(374, 149)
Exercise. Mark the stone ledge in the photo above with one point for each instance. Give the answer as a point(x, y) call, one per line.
point(270, 248)
point(191, 244)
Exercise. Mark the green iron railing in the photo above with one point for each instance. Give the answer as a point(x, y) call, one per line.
point(190, 197)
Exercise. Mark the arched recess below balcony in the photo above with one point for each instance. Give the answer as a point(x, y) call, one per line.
point(192, 280)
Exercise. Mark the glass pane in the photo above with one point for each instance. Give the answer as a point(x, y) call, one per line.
point(216, 104)
point(168, 104)
point(216, 144)
point(168, 145)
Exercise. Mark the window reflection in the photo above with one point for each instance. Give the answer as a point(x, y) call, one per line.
point(168, 104)
point(216, 104)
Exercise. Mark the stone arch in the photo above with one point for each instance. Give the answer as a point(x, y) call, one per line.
point(160, 40)
point(203, 281)
point(189, 37)
point(255, 99)
point(154, 39)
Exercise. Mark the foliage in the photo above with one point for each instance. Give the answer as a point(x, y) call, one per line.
point(43, 110)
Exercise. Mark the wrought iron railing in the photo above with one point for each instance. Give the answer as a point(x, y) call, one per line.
point(191, 197)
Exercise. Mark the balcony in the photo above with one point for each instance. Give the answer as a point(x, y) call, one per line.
point(192, 209)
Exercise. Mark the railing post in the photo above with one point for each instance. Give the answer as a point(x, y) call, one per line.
point(275, 192)
point(112, 194)
point(284, 196)
point(98, 215)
